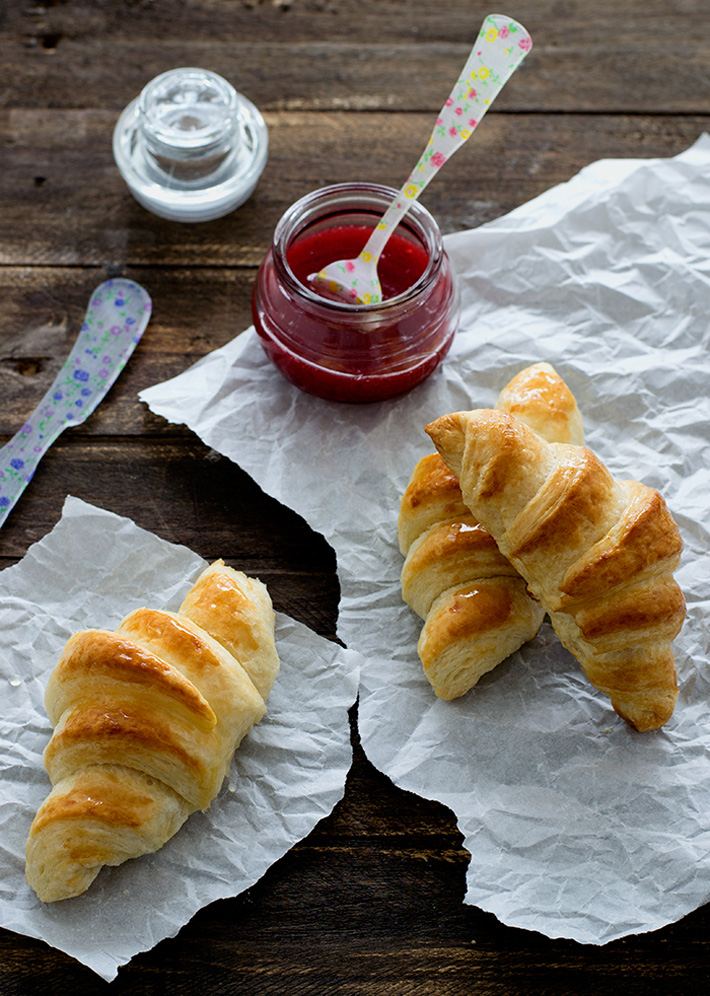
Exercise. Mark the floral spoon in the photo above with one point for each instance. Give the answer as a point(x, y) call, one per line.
point(115, 320)
point(501, 46)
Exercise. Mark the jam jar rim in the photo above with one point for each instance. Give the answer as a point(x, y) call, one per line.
point(427, 229)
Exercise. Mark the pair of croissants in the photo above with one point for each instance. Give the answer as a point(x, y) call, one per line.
point(515, 518)
point(146, 720)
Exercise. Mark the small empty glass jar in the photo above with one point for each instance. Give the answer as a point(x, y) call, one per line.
point(190, 147)
point(355, 352)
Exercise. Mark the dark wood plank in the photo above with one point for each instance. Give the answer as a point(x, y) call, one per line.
point(647, 55)
point(187, 494)
point(63, 202)
point(371, 903)
point(194, 311)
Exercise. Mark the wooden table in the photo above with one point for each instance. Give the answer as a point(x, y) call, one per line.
point(372, 901)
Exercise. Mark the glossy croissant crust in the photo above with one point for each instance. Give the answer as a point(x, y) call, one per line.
point(598, 553)
point(475, 605)
point(146, 720)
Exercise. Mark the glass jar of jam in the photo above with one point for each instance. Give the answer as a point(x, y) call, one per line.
point(355, 352)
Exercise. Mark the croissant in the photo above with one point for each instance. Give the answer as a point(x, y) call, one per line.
point(476, 607)
point(598, 553)
point(146, 720)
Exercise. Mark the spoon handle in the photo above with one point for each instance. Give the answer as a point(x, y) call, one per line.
point(501, 46)
point(115, 320)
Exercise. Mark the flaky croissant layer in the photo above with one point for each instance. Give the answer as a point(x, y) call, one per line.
point(597, 553)
point(475, 606)
point(146, 720)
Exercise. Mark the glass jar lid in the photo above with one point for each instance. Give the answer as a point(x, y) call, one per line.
point(190, 146)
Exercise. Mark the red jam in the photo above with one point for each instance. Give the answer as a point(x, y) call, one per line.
point(401, 263)
point(346, 352)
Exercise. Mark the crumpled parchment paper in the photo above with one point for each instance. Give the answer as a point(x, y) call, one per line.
point(92, 569)
point(577, 826)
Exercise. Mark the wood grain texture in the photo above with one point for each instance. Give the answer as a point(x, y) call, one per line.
point(194, 311)
point(372, 902)
point(187, 494)
point(642, 55)
point(63, 201)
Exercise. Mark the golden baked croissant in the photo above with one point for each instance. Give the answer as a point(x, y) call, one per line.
point(476, 608)
point(146, 720)
point(598, 553)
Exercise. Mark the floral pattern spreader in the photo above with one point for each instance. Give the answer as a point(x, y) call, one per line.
point(117, 316)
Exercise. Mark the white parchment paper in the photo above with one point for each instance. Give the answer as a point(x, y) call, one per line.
point(92, 569)
point(577, 826)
